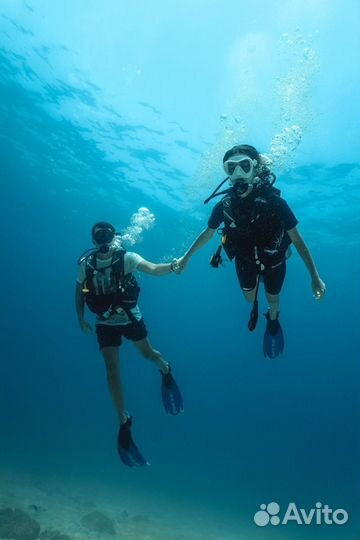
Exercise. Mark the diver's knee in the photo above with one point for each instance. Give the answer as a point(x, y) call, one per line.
point(110, 354)
point(249, 295)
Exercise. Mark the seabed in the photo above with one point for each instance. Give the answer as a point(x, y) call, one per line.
point(75, 510)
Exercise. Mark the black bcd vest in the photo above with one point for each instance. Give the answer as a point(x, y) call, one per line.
point(108, 288)
point(249, 227)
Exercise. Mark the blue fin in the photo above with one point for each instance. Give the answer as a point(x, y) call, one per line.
point(171, 395)
point(129, 453)
point(273, 343)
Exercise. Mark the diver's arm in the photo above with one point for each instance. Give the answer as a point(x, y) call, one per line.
point(201, 240)
point(317, 284)
point(79, 301)
point(156, 269)
point(79, 306)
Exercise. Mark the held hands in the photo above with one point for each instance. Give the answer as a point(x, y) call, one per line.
point(85, 326)
point(178, 265)
point(318, 287)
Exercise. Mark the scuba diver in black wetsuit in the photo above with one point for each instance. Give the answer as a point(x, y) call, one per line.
point(107, 285)
point(258, 228)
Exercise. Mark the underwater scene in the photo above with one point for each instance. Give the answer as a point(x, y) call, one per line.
point(174, 370)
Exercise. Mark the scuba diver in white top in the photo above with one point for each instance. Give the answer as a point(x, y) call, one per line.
point(106, 284)
point(258, 228)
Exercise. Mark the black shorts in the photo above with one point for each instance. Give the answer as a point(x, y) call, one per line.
point(247, 273)
point(111, 336)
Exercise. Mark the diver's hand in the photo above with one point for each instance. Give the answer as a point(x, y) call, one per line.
point(85, 326)
point(175, 266)
point(318, 288)
point(181, 264)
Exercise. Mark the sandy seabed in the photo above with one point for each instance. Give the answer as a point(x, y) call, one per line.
point(62, 505)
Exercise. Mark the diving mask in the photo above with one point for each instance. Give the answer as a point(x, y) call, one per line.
point(240, 167)
point(103, 238)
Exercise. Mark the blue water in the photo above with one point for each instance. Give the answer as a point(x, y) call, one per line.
point(103, 112)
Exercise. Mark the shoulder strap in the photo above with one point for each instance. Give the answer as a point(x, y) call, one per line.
point(90, 265)
point(118, 263)
point(227, 206)
point(86, 255)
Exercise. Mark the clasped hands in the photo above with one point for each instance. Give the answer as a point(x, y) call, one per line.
point(178, 265)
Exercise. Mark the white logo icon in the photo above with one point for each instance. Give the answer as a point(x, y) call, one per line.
point(267, 514)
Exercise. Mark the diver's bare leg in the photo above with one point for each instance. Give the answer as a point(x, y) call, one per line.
point(112, 364)
point(274, 304)
point(148, 352)
point(249, 295)
point(273, 301)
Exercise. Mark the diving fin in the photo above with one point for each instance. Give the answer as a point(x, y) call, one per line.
point(129, 453)
point(171, 395)
point(273, 343)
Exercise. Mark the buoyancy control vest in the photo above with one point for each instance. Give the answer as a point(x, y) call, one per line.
point(107, 289)
point(252, 228)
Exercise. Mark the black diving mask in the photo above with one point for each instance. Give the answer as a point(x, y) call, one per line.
point(103, 238)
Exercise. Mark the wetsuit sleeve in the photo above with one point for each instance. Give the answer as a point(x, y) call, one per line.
point(131, 262)
point(217, 216)
point(286, 215)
